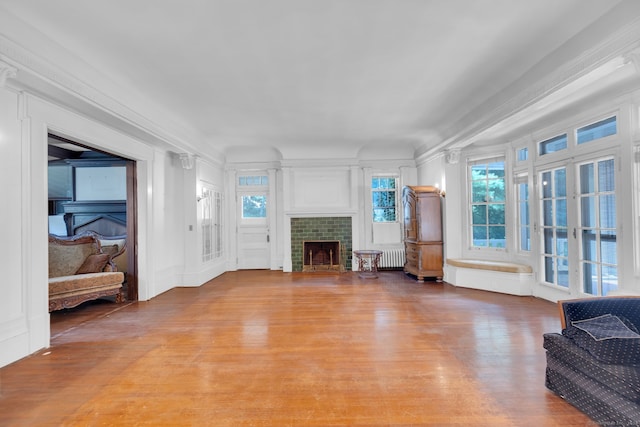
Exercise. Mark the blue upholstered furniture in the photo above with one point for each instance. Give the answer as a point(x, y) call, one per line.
point(595, 363)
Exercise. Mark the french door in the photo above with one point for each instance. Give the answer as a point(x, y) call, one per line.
point(597, 233)
point(554, 227)
point(578, 228)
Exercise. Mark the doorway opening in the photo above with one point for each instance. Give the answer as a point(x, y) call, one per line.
point(92, 191)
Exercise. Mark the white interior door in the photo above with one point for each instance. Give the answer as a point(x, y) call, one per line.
point(253, 231)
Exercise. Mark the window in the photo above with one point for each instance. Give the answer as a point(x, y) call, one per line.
point(522, 154)
point(554, 144)
point(597, 130)
point(487, 189)
point(383, 198)
point(524, 223)
point(254, 206)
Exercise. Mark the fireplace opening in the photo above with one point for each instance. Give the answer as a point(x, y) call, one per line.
point(321, 255)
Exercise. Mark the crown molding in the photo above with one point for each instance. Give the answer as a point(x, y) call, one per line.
point(541, 81)
point(320, 163)
point(23, 70)
point(6, 71)
point(452, 156)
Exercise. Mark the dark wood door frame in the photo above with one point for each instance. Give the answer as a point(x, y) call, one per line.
point(132, 232)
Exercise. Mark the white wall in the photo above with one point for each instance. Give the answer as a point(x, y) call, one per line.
point(25, 121)
point(15, 311)
point(167, 235)
point(195, 270)
point(310, 190)
point(444, 174)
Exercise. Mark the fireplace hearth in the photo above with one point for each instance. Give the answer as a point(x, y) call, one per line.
point(321, 255)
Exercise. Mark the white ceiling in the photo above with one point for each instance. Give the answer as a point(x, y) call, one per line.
point(295, 75)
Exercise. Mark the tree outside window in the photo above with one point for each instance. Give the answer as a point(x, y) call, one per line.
point(254, 206)
point(488, 223)
point(383, 198)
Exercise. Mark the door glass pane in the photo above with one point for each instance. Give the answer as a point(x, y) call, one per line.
point(254, 206)
point(608, 211)
point(560, 182)
point(546, 185)
point(549, 276)
point(590, 279)
point(525, 239)
point(586, 179)
point(608, 247)
point(589, 246)
point(548, 241)
point(606, 178)
point(547, 212)
point(561, 213)
point(588, 211)
point(563, 272)
point(524, 224)
point(609, 279)
point(562, 245)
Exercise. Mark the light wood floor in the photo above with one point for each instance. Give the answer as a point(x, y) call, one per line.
point(260, 348)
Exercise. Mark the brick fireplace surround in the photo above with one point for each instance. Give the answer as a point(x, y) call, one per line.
point(320, 228)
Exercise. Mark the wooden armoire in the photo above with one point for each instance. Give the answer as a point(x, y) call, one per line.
point(423, 231)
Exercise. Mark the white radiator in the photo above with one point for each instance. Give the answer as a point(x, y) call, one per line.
point(392, 259)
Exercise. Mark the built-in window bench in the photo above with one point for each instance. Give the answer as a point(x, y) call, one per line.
point(497, 276)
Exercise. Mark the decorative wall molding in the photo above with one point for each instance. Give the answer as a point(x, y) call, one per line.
point(452, 156)
point(6, 72)
point(188, 160)
point(633, 58)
